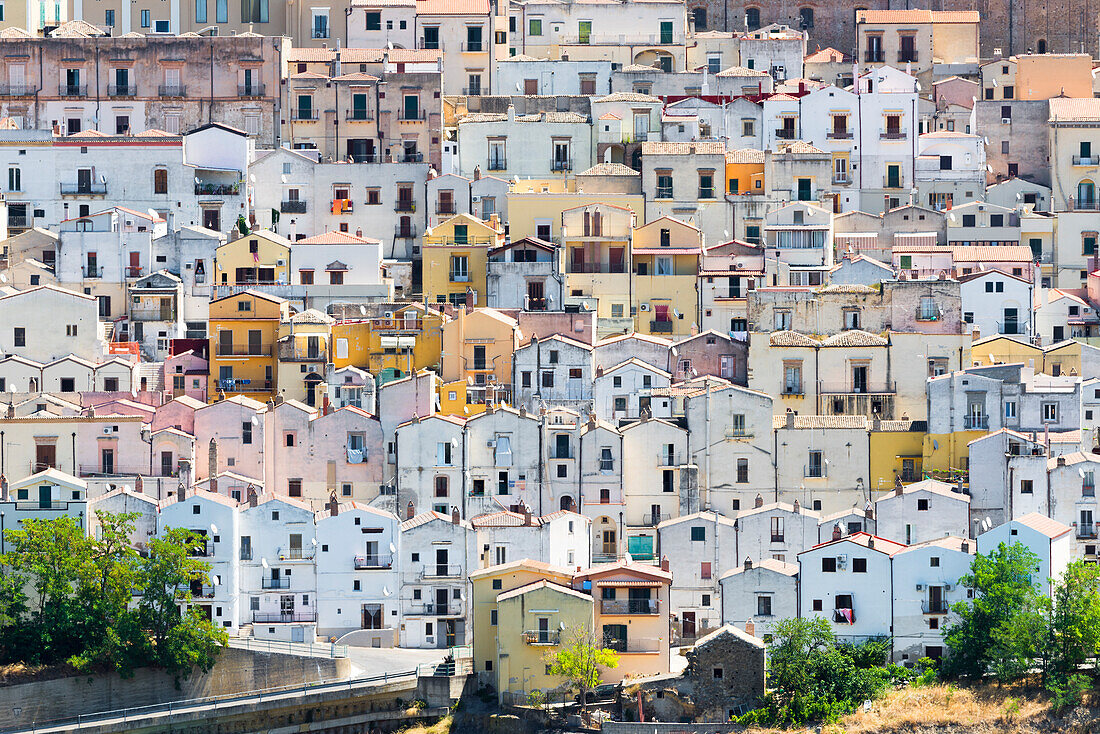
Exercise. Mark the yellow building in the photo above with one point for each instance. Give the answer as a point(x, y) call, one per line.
point(745, 171)
point(259, 258)
point(303, 351)
point(597, 241)
point(459, 398)
point(1063, 358)
point(538, 213)
point(486, 586)
point(244, 328)
point(402, 341)
point(896, 450)
point(478, 348)
point(533, 622)
point(455, 259)
point(665, 266)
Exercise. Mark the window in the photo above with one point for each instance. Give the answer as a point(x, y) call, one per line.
point(828, 565)
point(1050, 412)
point(777, 529)
point(698, 533)
point(859, 565)
point(806, 18)
point(534, 26)
point(922, 505)
point(108, 16)
point(160, 181)
point(706, 185)
point(752, 18)
point(1006, 112)
point(200, 11)
point(15, 179)
point(246, 432)
point(742, 471)
point(294, 487)
point(815, 466)
point(145, 19)
point(1026, 486)
point(374, 21)
point(664, 184)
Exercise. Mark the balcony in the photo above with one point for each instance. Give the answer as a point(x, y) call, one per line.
point(1076, 204)
point(793, 390)
point(839, 134)
point(472, 47)
point(73, 90)
point(18, 222)
point(134, 271)
point(172, 90)
point(463, 277)
point(452, 608)
point(841, 179)
point(664, 192)
point(293, 206)
point(976, 423)
point(1086, 160)
point(305, 116)
point(359, 116)
point(907, 57)
point(91, 271)
point(202, 592)
point(341, 206)
point(441, 571)
point(411, 158)
point(250, 90)
point(33, 505)
point(857, 388)
point(893, 135)
point(778, 537)
point(497, 164)
point(209, 188)
point(541, 637)
point(874, 57)
point(413, 116)
point(153, 314)
point(283, 582)
point(369, 563)
point(243, 350)
point(815, 471)
point(16, 90)
point(633, 644)
point(630, 606)
point(654, 519)
point(666, 459)
point(1088, 489)
point(112, 470)
point(406, 233)
point(121, 90)
point(295, 554)
point(471, 91)
point(785, 133)
point(935, 606)
point(660, 327)
point(244, 385)
point(90, 188)
point(291, 353)
point(1086, 530)
point(297, 615)
point(448, 208)
point(405, 205)
point(561, 164)
point(1011, 327)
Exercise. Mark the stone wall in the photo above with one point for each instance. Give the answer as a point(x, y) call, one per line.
point(236, 672)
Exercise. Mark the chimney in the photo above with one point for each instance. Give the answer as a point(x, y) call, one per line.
point(869, 512)
point(181, 490)
point(212, 465)
point(664, 563)
point(837, 532)
point(477, 173)
point(899, 488)
point(527, 517)
point(138, 484)
point(976, 334)
point(1060, 461)
point(410, 511)
point(871, 541)
point(796, 507)
point(3, 487)
point(790, 418)
point(333, 505)
point(456, 518)
point(750, 628)
point(185, 473)
point(522, 411)
point(965, 546)
point(469, 299)
point(759, 501)
point(253, 496)
point(591, 421)
point(748, 564)
point(511, 114)
point(494, 220)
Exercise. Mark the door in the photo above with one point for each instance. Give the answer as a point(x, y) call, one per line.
point(1059, 333)
point(1010, 323)
point(441, 599)
point(313, 347)
point(584, 31)
point(666, 31)
point(544, 630)
point(297, 634)
point(687, 628)
point(935, 599)
point(167, 465)
point(107, 460)
point(212, 219)
point(45, 456)
point(804, 189)
point(225, 343)
point(893, 177)
point(1085, 528)
point(166, 309)
point(45, 496)
point(412, 107)
point(859, 378)
point(535, 296)
point(84, 180)
point(441, 562)
point(609, 545)
point(254, 338)
point(451, 627)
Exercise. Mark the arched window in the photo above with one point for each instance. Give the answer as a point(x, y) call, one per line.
point(1086, 194)
point(566, 503)
point(805, 18)
point(752, 18)
point(1041, 47)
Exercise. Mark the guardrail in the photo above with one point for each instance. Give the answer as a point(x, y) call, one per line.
point(302, 649)
point(138, 713)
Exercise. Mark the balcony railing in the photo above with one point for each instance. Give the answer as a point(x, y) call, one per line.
point(295, 554)
point(893, 135)
point(815, 471)
point(407, 233)
point(359, 116)
point(842, 179)
point(907, 58)
point(243, 350)
point(935, 606)
point(1011, 327)
point(471, 91)
point(784, 133)
point(16, 221)
point(121, 90)
point(472, 47)
point(283, 582)
point(381, 560)
point(250, 90)
point(73, 90)
point(463, 277)
point(92, 271)
point(874, 57)
point(445, 208)
point(630, 606)
point(115, 470)
point(1075, 204)
point(1088, 489)
point(172, 90)
point(417, 116)
point(96, 188)
point(1086, 530)
point(293, 206)
point(152, 314)
point(862, 388)
point(405, 205)
point(541, 637)
point(660, 327)
point(305, 116)
point(653, 519)
point(16, 90)
point(298, 615)
point(291, 353)
point(1086, 160)
point(928, 314)
point(441, 571)
point(244, 385)
point(498, 164)
point(203, 592)
point(561, 164)
point(976, 422)
point(30, 506)
point(217, 189)
point(839, 134)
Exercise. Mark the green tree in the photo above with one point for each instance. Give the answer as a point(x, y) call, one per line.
point(580, 661)
point(1075, 618)
point(180, 639)
point(999, 628)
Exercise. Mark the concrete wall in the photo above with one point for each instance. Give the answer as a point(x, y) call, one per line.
point(237, 671)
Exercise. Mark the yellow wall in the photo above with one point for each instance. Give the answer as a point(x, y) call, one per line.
point(955, 42)
point(521, 665)
point(953, 452)
point(257, 366)
point(527, 210)
point(750, 177)
point(499, 335)
point(483, 600)
point(237, 254)
point(440, 246)
point(887, 450)
point(1004, 350)
point(1042, 76)
point(364, 341)
point(457, 406)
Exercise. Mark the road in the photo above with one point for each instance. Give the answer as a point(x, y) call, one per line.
point(378, 660)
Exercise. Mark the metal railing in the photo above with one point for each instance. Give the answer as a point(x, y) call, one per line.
point(404, 205)
point(928, 314)
point(381, 560)
point(445, 208)
point(87, 189)
point(784, 133)
point(472, 47)
point(359, 116)
point(298, 649)
point(974, 422)
point(305, 116)
point(293, 206)
point(115, 470)
point(243, 350)
point(217, 189)
point(459, 277)
point(664, 192)
point(660, 327)
point(418, 116)
point(291, 353)
point(1086, 530)
point(73, 90)
point(937, 606)
point(874, 57)
point(497, 164)
point(842, 178)
point(652, 520)
point(630, 606)
point(92, 272)
point(561, 165)
point(839, 134)
point(840, 618)
point(121, 90)
point(441, 571)
point(295, 554)
point(298, 615)
point(172, 90)
point(541, 637)
point(815, 471)
point(405, 232)
point(865, 388)
point(471, 91)
point(907, 58)
point(893, 135)
point(250, 90)
point(16, 221)
point(31, 505)
point(152, 314)
point(283, 582)
point(244, 385)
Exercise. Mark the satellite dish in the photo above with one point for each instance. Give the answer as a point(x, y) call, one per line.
point(213, 528)
point(935, 445)
point(252, 178)
point(393, 548)
point(519, 87)
point(217, 579)
point(282, 178)
point(255, 420)
point(127, 488)
point(263, 562)
point(313, 540)
point(386, 591)
point(454, 443)
point(1081, 473)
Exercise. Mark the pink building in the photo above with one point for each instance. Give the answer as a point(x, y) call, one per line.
point(178, 414)
point(710, 353)
point(185, 374)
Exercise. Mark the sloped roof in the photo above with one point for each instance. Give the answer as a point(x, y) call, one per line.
point(855, 338)
point(610, 169)
point(1043, 524)
point(791, 339)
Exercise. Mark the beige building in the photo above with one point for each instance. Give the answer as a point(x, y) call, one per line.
point(928, 42)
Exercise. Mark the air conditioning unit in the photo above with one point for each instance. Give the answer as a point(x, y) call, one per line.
point(280, 263)
point(389, 314)
point(644, 306)
point(491, 443)
point(1006, 120)
point(920, 587)
point(106, 430)
point(842, 561)
point(948, 587)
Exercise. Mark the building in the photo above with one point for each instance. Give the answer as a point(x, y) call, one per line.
point(245, 329)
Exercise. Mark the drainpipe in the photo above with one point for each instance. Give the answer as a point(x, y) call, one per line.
point(465, 469)
point(74, 456)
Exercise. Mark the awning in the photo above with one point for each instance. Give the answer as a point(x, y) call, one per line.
point(389, 342)
point(405, 342)
point(630, 584)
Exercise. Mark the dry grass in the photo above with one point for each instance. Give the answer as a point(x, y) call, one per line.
point(443, 726)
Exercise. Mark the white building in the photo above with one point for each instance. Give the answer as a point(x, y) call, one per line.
point(539, 145)
point(922, 511)
point(74, 318)
point(1050, 540)
point(437, 553)
point(623, 391)
point(926, 584)
point(949, 169)
point(762, 592)
point(700, 549)
point(555, 371)
point(995, 302)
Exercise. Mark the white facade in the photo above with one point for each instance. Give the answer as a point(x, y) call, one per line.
point(1049, 540)
point(762, 592)
point(923, 511)
point(994, 302)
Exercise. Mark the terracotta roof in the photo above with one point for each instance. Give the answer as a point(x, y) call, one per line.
point(1074, 109)
point(355, 76)
point(882, 545)
point(855, 338)
point(1017, 253)
point(543, 584)
point(768, 564)
point(627, 97)
point(503, 519)
point(791, 339)
point(610, 169)
point(741, 71)
point(918, 16)
point(363, 55)
point(1043, 524)
point(335, 237)
point(798, 147)
point(452, 7)
point(825, 56)
point(821, 421)
point(745, 155)
point(928, 485)
point(15, 32)
point(653, 147)
point(426, 517)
